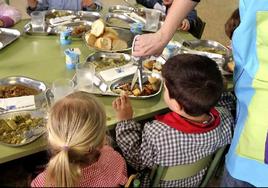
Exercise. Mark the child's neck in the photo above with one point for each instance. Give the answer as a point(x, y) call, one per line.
point(200, 119)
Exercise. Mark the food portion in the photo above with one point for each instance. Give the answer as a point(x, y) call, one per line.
point(152, 65)
point(79, 30)
point(17, 90)
point(57, 14)
point(16, 130)
point(210, 50)
point(150, 87)
point(231, 66)
point(104, 38)
point(106, 63)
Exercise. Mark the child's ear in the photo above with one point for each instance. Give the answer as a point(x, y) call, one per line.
point(176, 106)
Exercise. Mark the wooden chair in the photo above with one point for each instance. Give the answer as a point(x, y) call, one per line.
point(188, 170)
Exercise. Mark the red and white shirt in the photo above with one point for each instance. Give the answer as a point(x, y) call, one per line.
point(109, 171)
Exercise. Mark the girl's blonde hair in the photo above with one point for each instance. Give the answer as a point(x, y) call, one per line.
point(76, 131)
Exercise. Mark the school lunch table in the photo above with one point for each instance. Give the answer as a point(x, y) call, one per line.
point(42, 58)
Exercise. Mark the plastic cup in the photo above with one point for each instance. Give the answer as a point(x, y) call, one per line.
point(62, 88)
point(65, 37)
point(152, 19)
point(85, 73)
point(38, 21)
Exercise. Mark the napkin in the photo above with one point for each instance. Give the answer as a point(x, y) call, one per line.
point(17, 103)
point(118, 72)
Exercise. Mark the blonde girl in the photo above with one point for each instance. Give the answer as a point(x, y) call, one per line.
point(76, 135)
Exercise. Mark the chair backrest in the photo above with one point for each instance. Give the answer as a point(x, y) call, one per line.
point(188, 170)
point(199, 28)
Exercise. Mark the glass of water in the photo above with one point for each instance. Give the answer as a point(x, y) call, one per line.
point(38, 21)
point(61, 88)
point(152, 19)
point(84, 76)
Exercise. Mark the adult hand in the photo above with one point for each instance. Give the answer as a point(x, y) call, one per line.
point(123, 108)
point(87, 3)
point(185, 25)
point(148, 44)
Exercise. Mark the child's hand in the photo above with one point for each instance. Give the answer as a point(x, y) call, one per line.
point(87, 3)
point(185, 25)
point(123, 108)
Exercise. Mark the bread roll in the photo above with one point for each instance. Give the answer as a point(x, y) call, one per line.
point(119, 44)
point(111, 30)
point(104, 43)
point(97, 27)
point(110, 35)
point(90, 39)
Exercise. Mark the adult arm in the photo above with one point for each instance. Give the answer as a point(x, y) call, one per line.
point(153, 44)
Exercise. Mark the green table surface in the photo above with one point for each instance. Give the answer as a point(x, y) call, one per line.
point(42, 58)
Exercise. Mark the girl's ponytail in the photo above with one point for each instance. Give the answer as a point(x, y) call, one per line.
point(76, 132)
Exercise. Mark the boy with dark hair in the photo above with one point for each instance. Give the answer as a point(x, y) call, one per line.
point(194, 128)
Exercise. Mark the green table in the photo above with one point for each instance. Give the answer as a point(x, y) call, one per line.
point(42, 58)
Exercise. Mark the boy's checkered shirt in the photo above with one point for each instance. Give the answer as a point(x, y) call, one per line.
point(159, 144)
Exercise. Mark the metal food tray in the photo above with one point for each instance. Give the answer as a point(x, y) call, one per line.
point(105, 88)
point(82, 18)
point(128, 79)
point(36, 133)
point(123, 34)
point(83, 15)
point(7, 36)
point(121, 12)
point(56, 30)
point(123, 20)
point(192, 44)
point(127, 9)
point(97, 56)
point(40, 99)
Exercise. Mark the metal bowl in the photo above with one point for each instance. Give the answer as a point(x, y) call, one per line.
point(89, 16)
point(128, 9)
point(38, 85)
point(123, 34)
point(40, 99)
point(128, 79)
point(194, 44)
point(98, 56)
point(29, 135)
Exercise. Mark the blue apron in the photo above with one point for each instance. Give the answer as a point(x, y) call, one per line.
point(247, 159)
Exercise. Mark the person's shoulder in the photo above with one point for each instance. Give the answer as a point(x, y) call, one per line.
point(39, 181)
point(224, 113)
point(225, 117)
point(155, 127)
point(112, 154)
